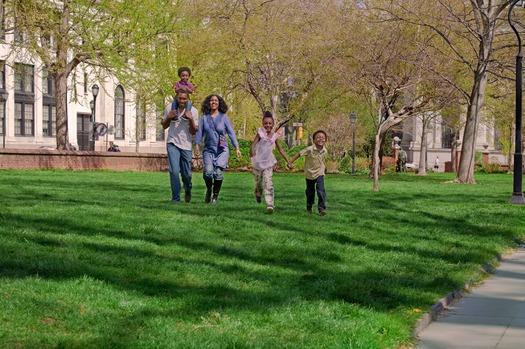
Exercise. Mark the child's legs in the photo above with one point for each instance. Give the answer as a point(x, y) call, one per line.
point(257, 177)
point(310, 193)
point(321, 193)
point(268, 186)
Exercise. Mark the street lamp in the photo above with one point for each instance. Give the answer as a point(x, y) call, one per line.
point(93, 106)
point(517, 194)
point(3, 98)
point(353, 119)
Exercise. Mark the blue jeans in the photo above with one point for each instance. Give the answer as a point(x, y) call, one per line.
point(210, 170)
point(312, 186)
point(179, 162)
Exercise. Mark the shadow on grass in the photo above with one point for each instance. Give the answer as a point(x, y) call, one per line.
point(352, 255)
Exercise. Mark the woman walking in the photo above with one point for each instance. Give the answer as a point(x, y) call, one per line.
point(214, 125)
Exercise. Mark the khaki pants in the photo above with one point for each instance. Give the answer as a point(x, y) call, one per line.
point(263, 181)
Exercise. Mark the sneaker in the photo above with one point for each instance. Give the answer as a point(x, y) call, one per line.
point(175, 202)
point(207, 197)
point(309, 209)
point(258, 199)
point(187, 195)
point(322, 213)
point(269, 209)
point(214, 200)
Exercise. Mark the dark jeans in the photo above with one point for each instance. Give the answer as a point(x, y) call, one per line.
point(179, 162)
point(313, 185)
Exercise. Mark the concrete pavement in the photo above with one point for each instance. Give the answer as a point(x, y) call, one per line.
point(491, 316)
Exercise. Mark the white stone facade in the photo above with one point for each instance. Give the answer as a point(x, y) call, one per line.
point(440, 145)
point(36, 105)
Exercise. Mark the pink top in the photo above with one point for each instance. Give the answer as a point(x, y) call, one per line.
point(181, 85)
point(264, 157)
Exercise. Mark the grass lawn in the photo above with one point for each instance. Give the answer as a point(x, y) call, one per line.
point(104, 260)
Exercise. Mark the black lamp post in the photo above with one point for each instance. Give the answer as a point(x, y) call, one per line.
point(93, 106)
point(353, 119)
point(3, 98)
point(517, 194)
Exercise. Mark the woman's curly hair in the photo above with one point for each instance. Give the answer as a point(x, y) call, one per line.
point(206, 110)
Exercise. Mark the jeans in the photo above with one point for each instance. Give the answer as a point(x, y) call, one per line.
point(179, 162)
point(210, 170)
point(313, 185)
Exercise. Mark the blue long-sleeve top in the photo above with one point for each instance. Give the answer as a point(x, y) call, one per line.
point(212, 128)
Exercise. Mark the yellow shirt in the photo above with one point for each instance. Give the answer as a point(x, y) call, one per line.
point(314, 166)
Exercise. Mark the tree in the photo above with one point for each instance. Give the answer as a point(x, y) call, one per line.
point(470, 30)
point(393, 71)
point(109, 36)
point(278, 65)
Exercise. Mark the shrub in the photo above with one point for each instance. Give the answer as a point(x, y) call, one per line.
point(491, 168)
point(244, 162)
point(361, 165)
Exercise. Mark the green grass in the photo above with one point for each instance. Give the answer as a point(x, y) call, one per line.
point(104, 260)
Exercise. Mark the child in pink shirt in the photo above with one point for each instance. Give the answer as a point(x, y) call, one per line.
point(183, 84)
point(263, 160)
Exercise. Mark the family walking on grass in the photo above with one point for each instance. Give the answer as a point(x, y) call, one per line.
point(211, 133)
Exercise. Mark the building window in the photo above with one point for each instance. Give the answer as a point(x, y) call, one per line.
point(2, 20)
point(49, 120)
point(119, 112)
point(24, 100)
point(48, 83)
point(18, 35)
point(160, 133)
point(86, 79)
point(24, 78)
point(447, 136)
point(24, 119)
point(49, 104)
point(2, 78)
point(2, 115)
point(141, 121)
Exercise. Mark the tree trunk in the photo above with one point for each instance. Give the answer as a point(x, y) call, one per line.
point(422, 166)
point(62, 131)
point(376, 164)
point(468, 147)
point(62, 73)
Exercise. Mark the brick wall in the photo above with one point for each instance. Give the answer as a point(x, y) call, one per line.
point(81, 160)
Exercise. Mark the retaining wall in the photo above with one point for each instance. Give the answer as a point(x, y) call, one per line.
point(81, 160)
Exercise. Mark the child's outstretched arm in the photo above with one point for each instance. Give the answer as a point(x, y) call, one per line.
point(295, 157)
point(283, 154)
point(254, 143)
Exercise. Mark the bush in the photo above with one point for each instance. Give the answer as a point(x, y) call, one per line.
point(491, 168)
point(361, 165)
point(244, 162)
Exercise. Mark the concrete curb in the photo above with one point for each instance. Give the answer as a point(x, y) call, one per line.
point(441, 305)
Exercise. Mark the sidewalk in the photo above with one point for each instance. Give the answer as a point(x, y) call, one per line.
point(491, 316)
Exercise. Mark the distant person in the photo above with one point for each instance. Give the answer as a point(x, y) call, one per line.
point(436, 164)
point(314, 171)
point(263, 160)
point(214, 125)
point(401, 161)
point(183, 84)
point(182, 124)
point(113, 147)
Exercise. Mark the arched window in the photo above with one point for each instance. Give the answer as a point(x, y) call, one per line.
point(119, 112)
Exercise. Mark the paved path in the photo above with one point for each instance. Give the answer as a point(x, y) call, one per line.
point(491, 316)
